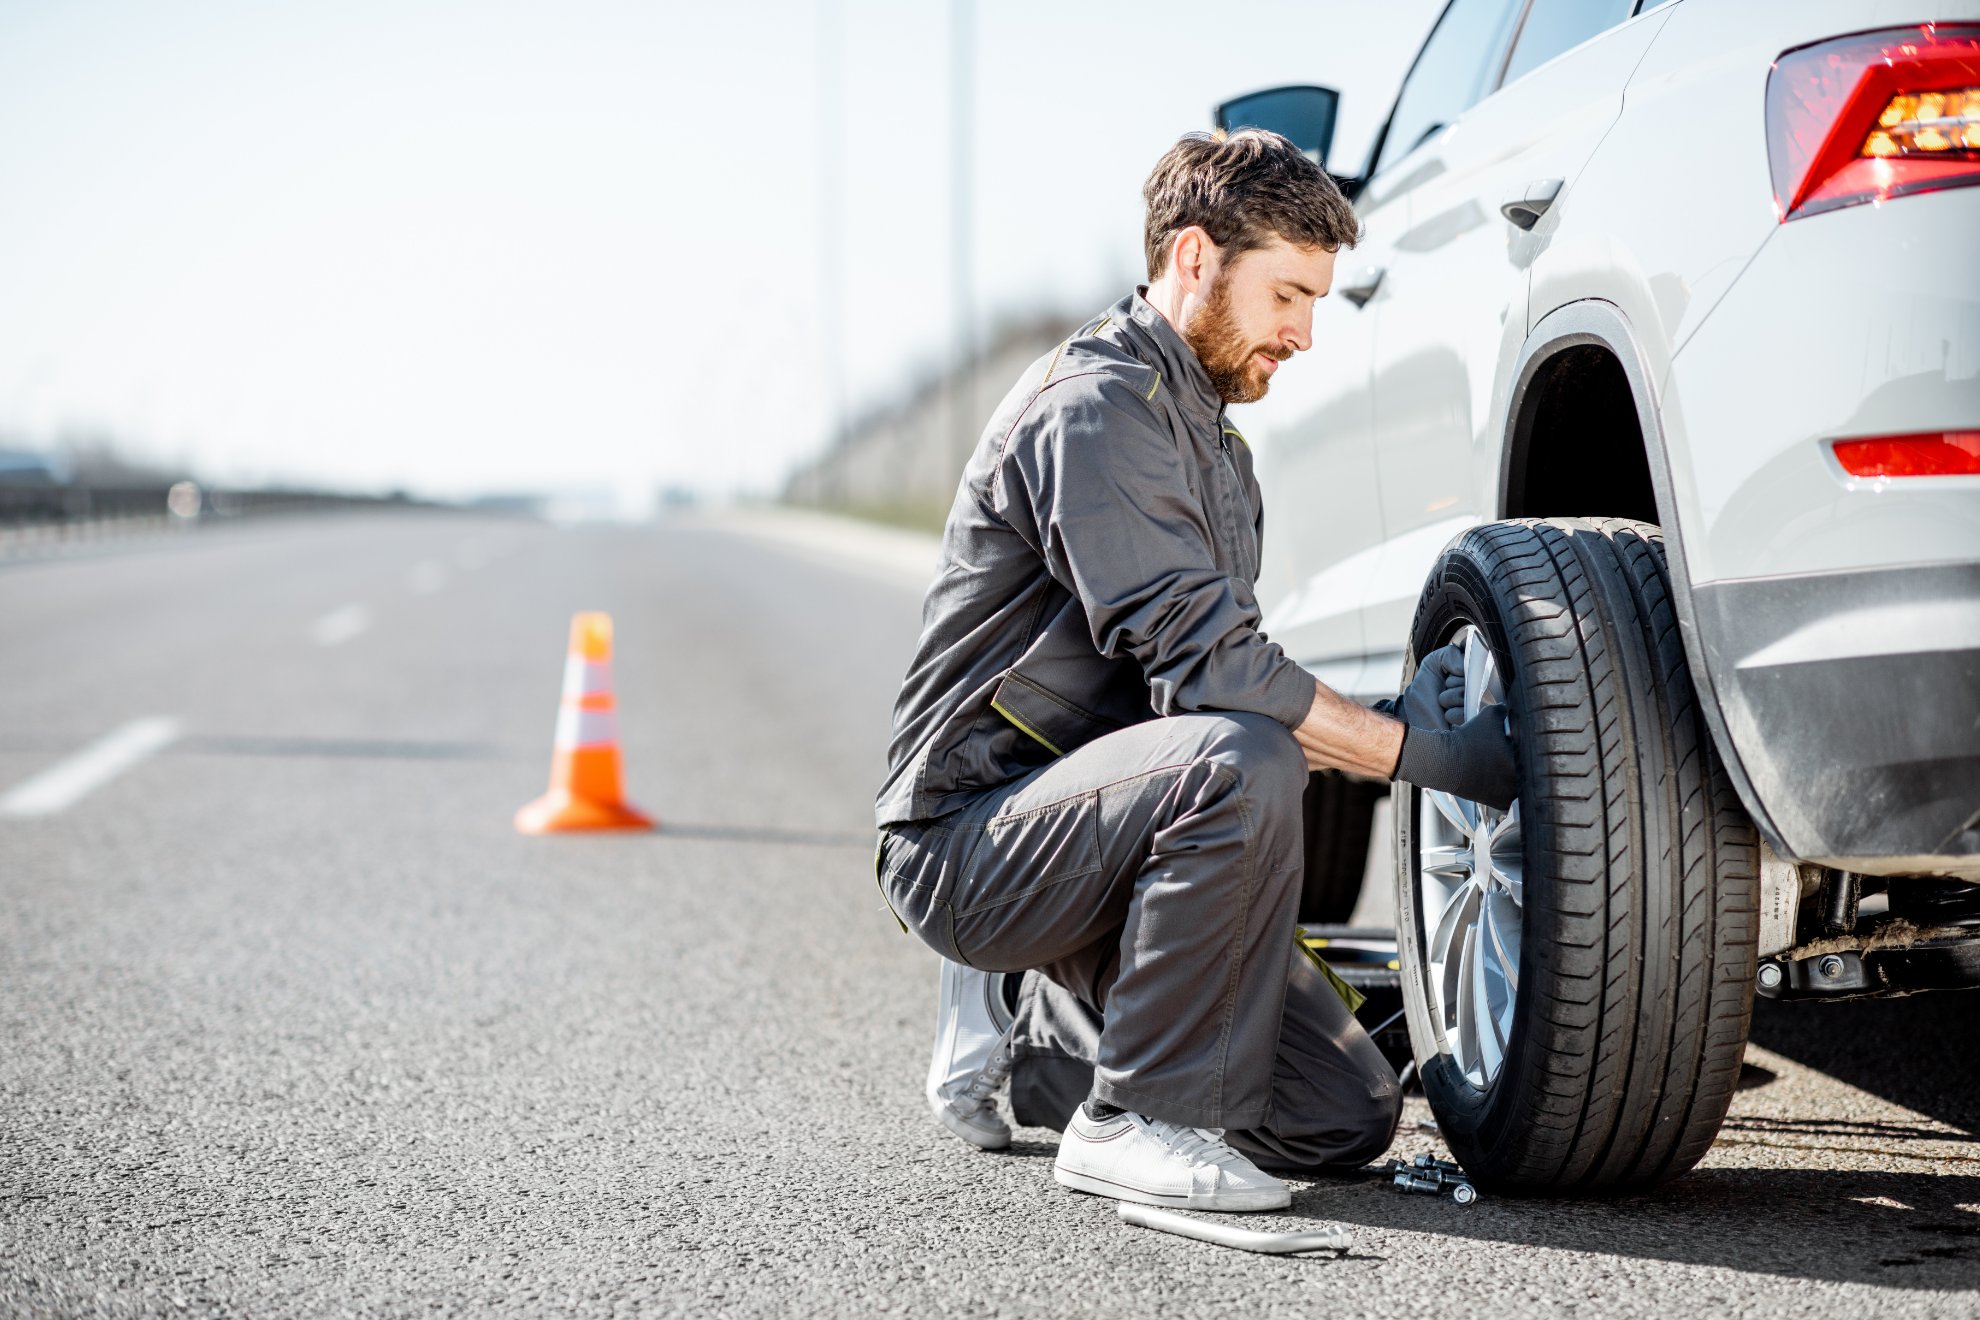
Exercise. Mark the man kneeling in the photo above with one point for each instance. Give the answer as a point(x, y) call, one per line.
point(1098, 759)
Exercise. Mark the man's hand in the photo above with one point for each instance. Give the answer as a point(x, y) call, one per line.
point(1434, 698)
point(1338, 734)
point(1474, 760)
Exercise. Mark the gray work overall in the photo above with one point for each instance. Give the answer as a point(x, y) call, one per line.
point(1093, 774)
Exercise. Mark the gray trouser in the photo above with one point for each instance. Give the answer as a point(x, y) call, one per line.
point(1152, 876)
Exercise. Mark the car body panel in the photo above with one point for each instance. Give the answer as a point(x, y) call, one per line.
point(1713, 312)
point(1832, 623)
point(1890, 344)
point(1429, 217)
point(1840, 617)
point(1457, 315)
point(1313, 433)
point(1854, 698)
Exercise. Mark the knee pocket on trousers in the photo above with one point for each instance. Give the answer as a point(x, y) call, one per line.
point(1057, 843)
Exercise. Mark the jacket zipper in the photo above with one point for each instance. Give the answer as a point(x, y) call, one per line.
point(1236, 492)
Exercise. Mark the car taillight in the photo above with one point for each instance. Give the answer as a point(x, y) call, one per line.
point(1873, 116)
point(1931, 454)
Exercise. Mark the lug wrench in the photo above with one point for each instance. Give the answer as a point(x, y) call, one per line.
point(1244, 1239)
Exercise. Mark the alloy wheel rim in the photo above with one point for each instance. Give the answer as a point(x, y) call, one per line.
point(1470, 891)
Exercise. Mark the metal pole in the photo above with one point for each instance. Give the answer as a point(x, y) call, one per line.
point(963, 422)
point(830, 161)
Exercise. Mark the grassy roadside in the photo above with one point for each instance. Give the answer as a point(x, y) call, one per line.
point(914, 517)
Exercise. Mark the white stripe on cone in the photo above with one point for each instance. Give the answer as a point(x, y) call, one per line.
point(584, 678)
point(578, 727)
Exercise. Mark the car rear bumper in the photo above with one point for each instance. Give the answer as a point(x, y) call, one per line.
point(1859, 323)
point(1853, 703)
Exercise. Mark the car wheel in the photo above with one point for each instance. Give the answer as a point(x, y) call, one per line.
point(1339, 815)
point(1577, 970)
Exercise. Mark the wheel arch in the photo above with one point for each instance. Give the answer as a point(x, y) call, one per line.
point(1557, 382)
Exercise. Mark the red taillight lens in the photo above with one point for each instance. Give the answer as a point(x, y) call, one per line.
point(1932, 454)
point(1874, 116)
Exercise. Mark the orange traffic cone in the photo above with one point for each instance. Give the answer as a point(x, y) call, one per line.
point(584, 770)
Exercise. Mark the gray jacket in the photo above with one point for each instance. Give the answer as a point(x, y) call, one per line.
point(1096, 571)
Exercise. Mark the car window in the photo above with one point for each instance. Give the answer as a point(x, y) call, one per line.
point(1453, 72)
point(1553, 26)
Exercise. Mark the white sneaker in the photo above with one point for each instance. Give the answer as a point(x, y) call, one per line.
point(1132, 1158)
point(972, 1055)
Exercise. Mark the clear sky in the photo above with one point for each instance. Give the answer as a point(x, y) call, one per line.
point(491, 245)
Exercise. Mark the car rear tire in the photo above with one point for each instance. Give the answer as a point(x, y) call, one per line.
point(1340, 818)
point(1578, 971)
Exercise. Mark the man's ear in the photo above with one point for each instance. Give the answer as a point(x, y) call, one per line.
point(1194, 258)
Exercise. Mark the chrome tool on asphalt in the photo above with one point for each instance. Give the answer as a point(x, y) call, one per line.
point(1244, 1239)
point(1432, 1177)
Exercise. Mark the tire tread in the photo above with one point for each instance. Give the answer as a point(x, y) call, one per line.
point(1642, 867)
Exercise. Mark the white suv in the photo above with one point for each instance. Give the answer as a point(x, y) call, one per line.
point(1655, 381)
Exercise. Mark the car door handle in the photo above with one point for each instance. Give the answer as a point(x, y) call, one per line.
point(1364, 284)
point(1526, 205)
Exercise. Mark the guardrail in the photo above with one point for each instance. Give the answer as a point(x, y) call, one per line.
point(34, 517)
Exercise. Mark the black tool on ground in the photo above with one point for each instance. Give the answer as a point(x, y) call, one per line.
point(1431, 1177)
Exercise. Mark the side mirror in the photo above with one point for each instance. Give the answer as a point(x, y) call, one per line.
point(1303, 115)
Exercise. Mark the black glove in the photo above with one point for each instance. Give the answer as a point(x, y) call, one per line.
point(1473, 761)
point(1434, 698)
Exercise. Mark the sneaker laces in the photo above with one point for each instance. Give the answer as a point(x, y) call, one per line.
point(991, 1077)
point(1194, 1145)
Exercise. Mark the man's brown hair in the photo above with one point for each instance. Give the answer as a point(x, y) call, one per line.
point(1243, 189)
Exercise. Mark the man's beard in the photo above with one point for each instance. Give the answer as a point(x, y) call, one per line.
point(1224, 351)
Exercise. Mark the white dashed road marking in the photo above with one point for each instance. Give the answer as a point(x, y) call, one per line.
point(67, 782)
point(339, 626)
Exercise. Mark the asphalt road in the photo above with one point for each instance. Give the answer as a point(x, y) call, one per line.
point(292, 1022)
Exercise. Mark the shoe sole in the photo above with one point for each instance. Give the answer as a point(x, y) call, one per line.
point(1229, 1202)
point(974, 1136)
